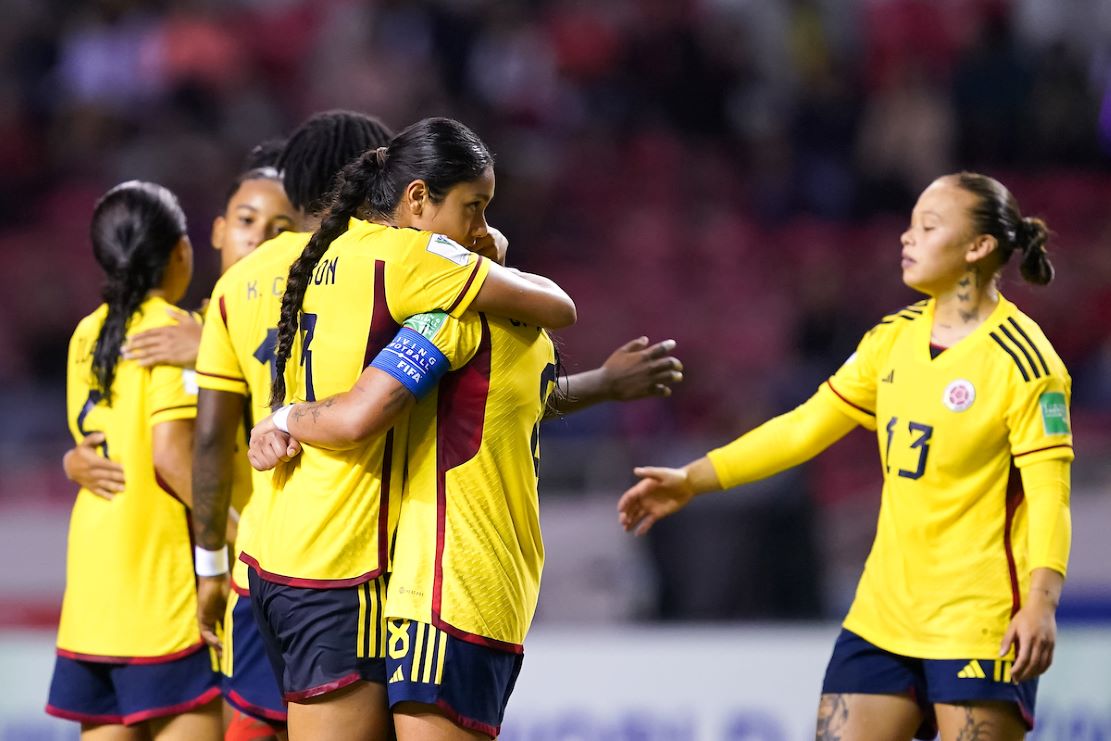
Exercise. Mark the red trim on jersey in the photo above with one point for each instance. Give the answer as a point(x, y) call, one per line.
point(466, 287)
point(224, 311)
point(842, 398)
point(468, 723)
point(170, 409)
point(383, 327)
point(294, 581)
point(217, 375)
point(182, 707)
point(1015, 495)
point(384, 501)
point(322, 689)
point(241, 591)
point(241, 704)
point(1048, 447)
point(460, 418)
point(98, 659)
point(165, 486)
point(475, 638)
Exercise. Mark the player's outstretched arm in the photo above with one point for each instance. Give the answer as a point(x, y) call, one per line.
point(633, 371)
point(87, 468)
point(174, 344)
point(662, 492)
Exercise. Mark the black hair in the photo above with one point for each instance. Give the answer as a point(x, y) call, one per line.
point(264, 154)
point(440, 151)
point(257, 173)
point(319, 148)
point(134, 230)
point(996, 213)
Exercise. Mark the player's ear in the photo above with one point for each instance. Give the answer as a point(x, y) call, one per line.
point(981, 247)
point(416, 193)
point(219, 230)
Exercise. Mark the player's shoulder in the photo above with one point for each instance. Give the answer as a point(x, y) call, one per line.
point(154, 312)
point(90, 323)
point(1022, 345)
point(896, 322)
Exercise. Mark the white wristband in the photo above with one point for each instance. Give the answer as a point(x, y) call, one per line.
point(281, 418)
point(210, 563)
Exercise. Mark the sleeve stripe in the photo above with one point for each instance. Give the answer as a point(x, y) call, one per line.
point(466, 287)
point(1009, 351)
point(224, 311)
point(225, 378)
point(1039, 450)
point(842, 398)
point(1022, 349)
point(170, 409)
point(1029, 342)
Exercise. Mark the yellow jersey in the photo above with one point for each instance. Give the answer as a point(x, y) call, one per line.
point(130, 591)
point(237, 356)
point(468, 552)
point(332, 518)
point(949, 566)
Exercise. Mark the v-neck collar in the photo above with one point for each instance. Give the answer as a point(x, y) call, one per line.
point(960, 347)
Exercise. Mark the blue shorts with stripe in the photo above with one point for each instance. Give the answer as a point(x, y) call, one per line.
point(469, 683)
point(98, 692)
point(858, 666)
point(320, 640)
point(249, 682)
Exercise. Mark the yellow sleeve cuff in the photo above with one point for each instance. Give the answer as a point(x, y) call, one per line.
point(1046, 487)
point(216, 382)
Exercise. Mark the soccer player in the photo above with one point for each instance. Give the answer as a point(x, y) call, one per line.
point(131, 662)
point(255, 209)
point(234, 373)
point(318, 579)
point(953, 619)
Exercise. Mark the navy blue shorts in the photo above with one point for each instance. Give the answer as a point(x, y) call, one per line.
point(320, 640)
point(858, 666)
point(249, 683)
point(102, 693)
point(470, 684)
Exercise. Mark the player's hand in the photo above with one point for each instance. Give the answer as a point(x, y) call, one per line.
point(659, 493)
point(493, 245)
point(173, 344)
point(1033, 632)
point(212, 600)
point(270, 446)
point(88, 468)
point(636, 370)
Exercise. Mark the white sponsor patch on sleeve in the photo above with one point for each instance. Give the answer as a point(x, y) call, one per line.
point(444, 247)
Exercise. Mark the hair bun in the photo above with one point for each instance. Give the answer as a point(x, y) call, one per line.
point(1031, 236)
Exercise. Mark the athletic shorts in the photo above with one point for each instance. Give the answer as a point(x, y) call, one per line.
point(858, 666)
point(320, 640)
point(470, 684)
point(249, 683)
point(116, 693)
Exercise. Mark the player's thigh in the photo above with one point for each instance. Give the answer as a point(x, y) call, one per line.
point(984, 721)
point(358, 712)
point(415, 721)
point(860, 717)
point(205, 723)
point(113, 732)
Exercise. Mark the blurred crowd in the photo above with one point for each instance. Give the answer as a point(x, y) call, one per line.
point(731, 173)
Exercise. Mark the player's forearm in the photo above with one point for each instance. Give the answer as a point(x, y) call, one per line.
point(218, 417)
point(577, 392)
point(1046, 487)
point(349, 419)
point(781, 443)
point(525, 297)
point(1045, 587)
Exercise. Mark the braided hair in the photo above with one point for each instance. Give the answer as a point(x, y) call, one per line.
point(134, 230)
point(440, 151)
point(996, 213)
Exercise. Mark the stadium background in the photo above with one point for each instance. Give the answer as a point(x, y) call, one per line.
point(733, 174)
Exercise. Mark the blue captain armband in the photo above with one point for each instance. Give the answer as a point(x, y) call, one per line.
point(413, 360)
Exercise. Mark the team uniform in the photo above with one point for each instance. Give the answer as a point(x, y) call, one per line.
point(237, 356)
point(468, 552)
point(957, 537)
point(318, 584)
point(128, 644)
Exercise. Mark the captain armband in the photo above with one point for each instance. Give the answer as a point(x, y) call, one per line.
point(413, 360)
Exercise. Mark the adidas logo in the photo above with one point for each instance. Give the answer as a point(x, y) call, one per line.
point(890, 377)
point(971, 670)
point(398, 675)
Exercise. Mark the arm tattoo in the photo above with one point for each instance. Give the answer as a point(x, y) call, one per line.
point(833, 716)
point(211, 498)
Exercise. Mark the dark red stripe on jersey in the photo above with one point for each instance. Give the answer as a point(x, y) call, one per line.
point(468, 723)
point(217, 375)
point(1030, 342)
point(1015, 496)
point(245, 706)
point(224, 311)
point(182, 707)
point(842, 398)
point(1038, 450)
point(241, 591)
point(1009, 351)
point(460, 417)
point(322, 689)
point(294, 581)
point(1021, 349)
point(384, 502)
point(97, 659)
point(383, 326)
point(466, 287)
point(170, 409)
point(475, 638)
point(165, 486)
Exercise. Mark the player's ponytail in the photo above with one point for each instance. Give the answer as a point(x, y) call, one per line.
point(996, 213)
point(134, 230)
